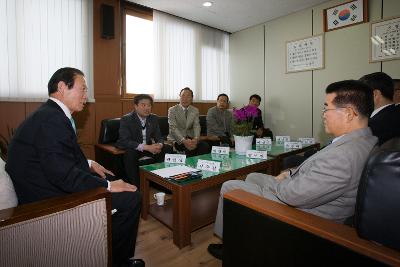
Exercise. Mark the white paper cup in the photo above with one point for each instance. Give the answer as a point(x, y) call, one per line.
point(160, 197)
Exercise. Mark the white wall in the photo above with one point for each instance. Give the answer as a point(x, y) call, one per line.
point(247, 65)
point(293, 101)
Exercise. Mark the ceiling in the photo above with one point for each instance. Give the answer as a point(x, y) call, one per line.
point(229, 15)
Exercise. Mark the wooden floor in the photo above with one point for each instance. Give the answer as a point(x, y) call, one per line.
point(155, 246)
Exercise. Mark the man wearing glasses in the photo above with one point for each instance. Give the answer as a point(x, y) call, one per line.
point(326, 183)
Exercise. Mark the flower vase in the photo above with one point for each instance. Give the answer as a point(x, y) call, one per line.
point(242, 144)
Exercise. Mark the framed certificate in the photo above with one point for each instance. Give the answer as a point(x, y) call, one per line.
point(305, 54)
point(385, 40)
point(344, 15)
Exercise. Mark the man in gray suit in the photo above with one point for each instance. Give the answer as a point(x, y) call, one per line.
point(184, 126)
point(326, 183)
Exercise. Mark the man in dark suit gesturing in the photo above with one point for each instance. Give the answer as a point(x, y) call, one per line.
point(140, 135)
point(45, 160)
point(385, 119)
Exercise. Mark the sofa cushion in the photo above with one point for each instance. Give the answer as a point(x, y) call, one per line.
point(8, 198)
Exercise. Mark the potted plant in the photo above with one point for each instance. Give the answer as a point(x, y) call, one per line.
point(242, 127)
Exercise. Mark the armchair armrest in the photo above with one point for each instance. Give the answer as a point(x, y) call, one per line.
point(71, 226)
point(305, 225)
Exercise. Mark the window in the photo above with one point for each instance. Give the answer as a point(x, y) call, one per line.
point(138, 66)
point(39, 37)
point(177, 53)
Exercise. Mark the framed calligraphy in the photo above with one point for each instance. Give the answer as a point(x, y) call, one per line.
point(305, 54)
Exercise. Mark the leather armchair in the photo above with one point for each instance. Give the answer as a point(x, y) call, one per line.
point(261, 232)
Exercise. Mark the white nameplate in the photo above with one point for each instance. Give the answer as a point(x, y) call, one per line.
point(256, 154)
point(223, 150)
point(263, 141)
point(281, 139)
point(307, 140)
point(219, 157)
point(175, 158)
point(208, 165)
point(293, 145)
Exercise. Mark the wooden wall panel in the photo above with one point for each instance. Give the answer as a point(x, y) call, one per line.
point(85, 124)
point(11, 116)
point(127, 106)
point(204, 107)
point(160, 108)
point(106, 53)
point(30, 107)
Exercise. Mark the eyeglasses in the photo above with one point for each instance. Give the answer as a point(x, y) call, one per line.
point(327, 109)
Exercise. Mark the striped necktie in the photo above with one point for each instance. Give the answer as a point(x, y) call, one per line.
point(73, 124)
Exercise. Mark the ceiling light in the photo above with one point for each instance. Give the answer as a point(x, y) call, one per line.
point(207, 4)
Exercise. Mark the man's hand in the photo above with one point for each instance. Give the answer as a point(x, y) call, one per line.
point(190, 144)
point(154, 148)
point(121, 186)
point(282, 176)
point(100, 170)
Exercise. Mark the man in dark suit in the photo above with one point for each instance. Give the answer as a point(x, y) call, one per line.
point(258, 124)
point(140, 136)
point(396, 96)
point(45, 160)
point(385, 119)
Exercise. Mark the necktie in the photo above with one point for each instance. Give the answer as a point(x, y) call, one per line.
point(73, 123)
point(186, 112)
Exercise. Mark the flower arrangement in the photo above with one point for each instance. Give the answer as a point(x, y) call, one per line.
point(243, 120)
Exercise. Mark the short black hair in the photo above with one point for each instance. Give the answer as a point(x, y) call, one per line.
point(355, 93)
point(66, 75)
point(256, 97)
point(140, 97)
point(186, 89)
point(380, 81)
point(227, 97)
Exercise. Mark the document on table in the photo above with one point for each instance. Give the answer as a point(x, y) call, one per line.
point(175, 170)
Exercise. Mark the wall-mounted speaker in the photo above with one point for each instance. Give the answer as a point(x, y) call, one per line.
point(107, 21)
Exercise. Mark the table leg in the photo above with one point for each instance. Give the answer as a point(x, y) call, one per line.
point(145, 190)
point(182, 221)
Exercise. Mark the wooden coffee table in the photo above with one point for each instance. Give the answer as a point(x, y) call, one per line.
point(194, 202)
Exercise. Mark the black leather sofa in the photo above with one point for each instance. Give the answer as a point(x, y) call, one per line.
point(260, 232)
point(111, 157)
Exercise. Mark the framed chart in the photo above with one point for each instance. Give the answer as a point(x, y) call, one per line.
point(385, 40)
point(305, 54)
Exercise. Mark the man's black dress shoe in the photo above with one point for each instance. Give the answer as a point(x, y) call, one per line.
point(135, 263)
point(215, 250)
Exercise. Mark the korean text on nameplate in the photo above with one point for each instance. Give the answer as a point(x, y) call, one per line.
point(256, 154)
point(175, 158)
point(208, 165)
point(281, 139)
point(307, 140)
point(293, 145)
point(263, 141)
point(223, 150)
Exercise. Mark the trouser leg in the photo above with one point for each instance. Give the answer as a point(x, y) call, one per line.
point(226, 187)
point(125, 224)
point(131, 165)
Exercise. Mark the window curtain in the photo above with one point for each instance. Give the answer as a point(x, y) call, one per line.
point(189, 54)
point(37, 38)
